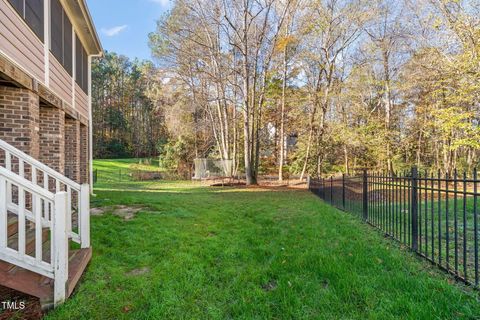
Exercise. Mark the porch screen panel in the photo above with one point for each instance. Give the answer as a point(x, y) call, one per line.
point(67, 44)
point(85, 71)
point(18, 5)
point(34, 17)
point(57, 29)
point(78, 61)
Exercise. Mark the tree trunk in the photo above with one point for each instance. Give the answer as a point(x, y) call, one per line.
point(234, 147)
point(419, 149)
point(388, 111)
point(246, 131)
point(345, 156)
point(246, 104)
point(282, 117)
point(310, 138)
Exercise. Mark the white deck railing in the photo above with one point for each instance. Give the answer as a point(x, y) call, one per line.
point(44, 199)
point(78, 196)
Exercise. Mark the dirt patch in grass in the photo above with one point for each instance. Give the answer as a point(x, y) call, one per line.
point(138, 272)
point(125, 212)
point(273, 185)
point(270, 285)
point(97, 211)
point(228, 184)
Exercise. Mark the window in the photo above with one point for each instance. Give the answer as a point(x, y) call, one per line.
point(32, 12)
point(18, 5)
point(85, 72)
point(61, 35)
point(34, 16)
point(56, 26)
point(81, 65)
point(78, 61)
point(67, 44)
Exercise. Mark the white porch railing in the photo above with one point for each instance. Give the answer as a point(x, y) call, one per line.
point(44, 199)
point(78, 196)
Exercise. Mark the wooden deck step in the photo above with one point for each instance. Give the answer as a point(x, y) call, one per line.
point(39, 286)
point(77, 264)
point(12, 224)
point(25, 281)
point(29, 240)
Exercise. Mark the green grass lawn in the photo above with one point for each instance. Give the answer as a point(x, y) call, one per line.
point(119, 170)
point(445, 227)
point(226, 253)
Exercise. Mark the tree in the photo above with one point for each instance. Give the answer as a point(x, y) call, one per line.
point(126, 120)
point(308, 86)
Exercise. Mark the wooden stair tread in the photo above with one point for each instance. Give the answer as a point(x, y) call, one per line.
point(36, 285)
point(17, 278)
point(29, 240)
point(45, 257)
point(12, 223)
point(77, 264)
point(24, 281)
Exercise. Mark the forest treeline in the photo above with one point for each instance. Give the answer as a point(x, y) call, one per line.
point(127, 120)
point(300, 86)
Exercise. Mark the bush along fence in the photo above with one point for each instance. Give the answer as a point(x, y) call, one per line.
point(435, 215)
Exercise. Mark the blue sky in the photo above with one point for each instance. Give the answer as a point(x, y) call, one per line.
point(123, 25)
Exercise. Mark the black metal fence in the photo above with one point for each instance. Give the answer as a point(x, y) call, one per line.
point(436, 216)
point(111, 175)
point(127, 175)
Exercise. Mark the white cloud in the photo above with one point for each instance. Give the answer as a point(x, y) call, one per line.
point(163, 3)
point(113, 31)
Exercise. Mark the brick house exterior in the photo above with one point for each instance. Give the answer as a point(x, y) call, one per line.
point(46, 47)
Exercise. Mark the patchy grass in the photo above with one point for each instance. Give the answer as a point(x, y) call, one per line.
point(227, 253)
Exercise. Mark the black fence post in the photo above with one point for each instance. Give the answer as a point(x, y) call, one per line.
point(322, 193)
point(365, 195)
point(414, 208)
point(343, 191)
point(331, 189)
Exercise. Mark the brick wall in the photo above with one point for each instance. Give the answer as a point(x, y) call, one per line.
point(44, 133)
point(72, 149)
point(52, 138)
point(84, 158)
point(19, 119)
